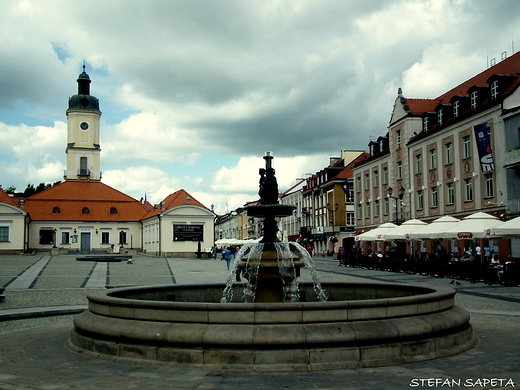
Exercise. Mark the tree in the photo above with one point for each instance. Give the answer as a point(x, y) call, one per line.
point(11, 190)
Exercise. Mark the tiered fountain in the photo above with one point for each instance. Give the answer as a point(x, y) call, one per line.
point(276, 323)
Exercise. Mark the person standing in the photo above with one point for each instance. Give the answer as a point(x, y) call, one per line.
point(487, 253)
point(478, 252)
point(226, 254)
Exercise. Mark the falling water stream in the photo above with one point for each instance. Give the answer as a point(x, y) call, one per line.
point(252, 254)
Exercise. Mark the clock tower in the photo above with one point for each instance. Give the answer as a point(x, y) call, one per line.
point(83, 150)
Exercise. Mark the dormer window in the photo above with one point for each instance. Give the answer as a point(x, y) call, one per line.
point(425, 124)
point(439, 117)
point(398, 139)
point(113, 210)
point(56, 210)
point(494, 90)
point(456, 106)
point(85, 210)
point(474, 100)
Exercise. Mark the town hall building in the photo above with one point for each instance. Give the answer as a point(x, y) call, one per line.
point(82, 214)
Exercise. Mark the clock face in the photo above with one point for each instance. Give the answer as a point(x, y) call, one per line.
point(84, 125)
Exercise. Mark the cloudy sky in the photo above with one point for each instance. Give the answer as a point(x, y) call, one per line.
point(194, 92)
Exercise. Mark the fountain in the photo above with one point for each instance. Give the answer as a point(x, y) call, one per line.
point(276, 323)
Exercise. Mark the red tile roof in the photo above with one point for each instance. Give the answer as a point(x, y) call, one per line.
point(509, 66)
point(176, 199)
point(68, 201)
point(5, 198)
point(417, 107)
point(347, 173)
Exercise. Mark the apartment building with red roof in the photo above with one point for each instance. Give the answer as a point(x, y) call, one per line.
point(452, 155)
point(83, 214)
point(327, 204)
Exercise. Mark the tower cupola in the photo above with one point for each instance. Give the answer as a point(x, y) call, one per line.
point(83, 100)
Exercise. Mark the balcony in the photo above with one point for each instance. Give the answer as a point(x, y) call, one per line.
point(83, 172)
point(512, 158)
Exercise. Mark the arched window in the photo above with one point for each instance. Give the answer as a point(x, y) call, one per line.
point(85, 210)
point(56, 210)
point(113, 210)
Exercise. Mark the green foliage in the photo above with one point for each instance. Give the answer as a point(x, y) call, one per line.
point(30, 190)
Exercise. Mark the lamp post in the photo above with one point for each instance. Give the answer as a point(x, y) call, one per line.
point(332, 210)
point(399, 197)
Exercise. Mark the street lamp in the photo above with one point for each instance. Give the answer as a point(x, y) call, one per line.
point(399, 196)
point(332, 210)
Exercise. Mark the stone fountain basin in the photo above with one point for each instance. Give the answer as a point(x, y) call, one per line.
point(361, 325)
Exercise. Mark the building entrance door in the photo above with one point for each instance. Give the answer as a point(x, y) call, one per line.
point(85, 242)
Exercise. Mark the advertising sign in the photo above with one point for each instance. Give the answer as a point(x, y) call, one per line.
point(188, 233)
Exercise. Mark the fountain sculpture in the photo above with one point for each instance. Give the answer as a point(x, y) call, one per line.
point(277, 323)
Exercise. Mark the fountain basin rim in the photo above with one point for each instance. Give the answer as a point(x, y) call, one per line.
point(424, 294)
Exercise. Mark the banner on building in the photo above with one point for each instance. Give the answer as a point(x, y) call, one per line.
point(346, 189)
point(484, 148)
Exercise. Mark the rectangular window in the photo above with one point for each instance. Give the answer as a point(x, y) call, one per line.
point(358, 184)
point(449, 153)
point(349, 217)
point(451, 194)
point(433, 158)
point(398, 139)
point(425, 124)
point(385, 175)
point(359, 211)
point(468, 183)
point(376, 208)
point(105, 237)
point(376, 178)
point(367, 209)
point(456, 107)
point(494, 90)
point(467, 146)
point(399, 170)
point(386, 206)
point(122, 237)
point(65, 238)
point(490, 192)
point(474, 100)
point(4, 233)
point(420, 200)
point(367, 181)
point(435, 197)
point(418, 161)
point(439, 117)
point(46, 236)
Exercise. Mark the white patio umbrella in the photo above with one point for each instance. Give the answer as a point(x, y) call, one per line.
point(376, 234)
point(404, 231)
point(229, 241)
point(434, 229)
point(473, 226)
point(510, 228)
